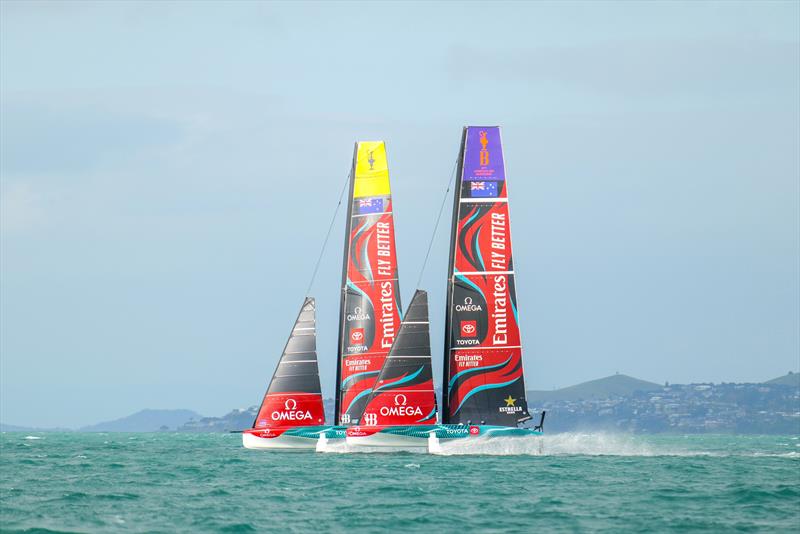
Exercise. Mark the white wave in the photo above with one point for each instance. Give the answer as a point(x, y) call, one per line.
point(497, 446)
point(792, 454)
point(34, 437)
point(600, 444)
point(566, 444)
point(340, 446)
point(411, 466)
point(588, 444)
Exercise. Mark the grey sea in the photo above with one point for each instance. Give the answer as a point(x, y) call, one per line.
point(165, 482)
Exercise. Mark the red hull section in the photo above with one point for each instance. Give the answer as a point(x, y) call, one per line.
point(267, 433)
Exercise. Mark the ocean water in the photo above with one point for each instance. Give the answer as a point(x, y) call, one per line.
point(166, 482)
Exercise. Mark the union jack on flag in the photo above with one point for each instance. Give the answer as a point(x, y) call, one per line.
point(370, 205)
point(483, 189)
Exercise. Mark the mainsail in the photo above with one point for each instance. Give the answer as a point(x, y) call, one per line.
point(403, 393)
point(294, 397)
point(370, 303)
point(483, 375)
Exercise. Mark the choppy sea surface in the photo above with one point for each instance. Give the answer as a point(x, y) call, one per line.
point(164, 482)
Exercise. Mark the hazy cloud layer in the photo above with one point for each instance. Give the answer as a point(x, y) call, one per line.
point(168, 171)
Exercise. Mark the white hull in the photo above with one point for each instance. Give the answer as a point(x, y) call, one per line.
point(283, 441)
point(532, 444)
point(380, 439)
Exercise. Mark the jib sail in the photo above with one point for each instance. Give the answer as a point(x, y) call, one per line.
point(370, 302)
point(294, 397)
point(483, 375)
point(403, 393)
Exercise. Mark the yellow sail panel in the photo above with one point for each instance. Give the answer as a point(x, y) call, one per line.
point(372, 170)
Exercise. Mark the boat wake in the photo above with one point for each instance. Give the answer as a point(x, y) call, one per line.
point(565, 444)
point(341, 447)
point(588, 444)
point(600, 444)
point(495, 446)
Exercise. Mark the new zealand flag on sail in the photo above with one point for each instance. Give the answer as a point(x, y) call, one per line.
point(370, 205)
point(483, 189)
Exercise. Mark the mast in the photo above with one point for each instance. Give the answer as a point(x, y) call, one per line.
point(342, 299)
point(294, 397)
point(447, 318)
point(483, 373)
point(403, 392)
point(369, 313)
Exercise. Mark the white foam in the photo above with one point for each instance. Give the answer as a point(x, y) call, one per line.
point(600, 444)
point(340, 446)
point(793, 454)
point(566, 444)
point(33, 437)
point(586, 444)
point(496, 446)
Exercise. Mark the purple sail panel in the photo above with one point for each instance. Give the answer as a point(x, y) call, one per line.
point(483, 159)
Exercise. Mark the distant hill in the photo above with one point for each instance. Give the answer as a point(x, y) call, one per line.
point(602, 388)
point(790, 379)
point(145, 421)
point(238, 419)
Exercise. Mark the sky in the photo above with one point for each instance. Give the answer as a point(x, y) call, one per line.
point(168, 172)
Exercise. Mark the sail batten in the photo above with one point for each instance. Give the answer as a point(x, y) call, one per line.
point(294, 396)
point(483, 373)
point(370, 310)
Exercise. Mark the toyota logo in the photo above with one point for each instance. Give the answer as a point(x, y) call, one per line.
point(290, 405)
point(357, 336)
point(468, 328)
point(400, 400)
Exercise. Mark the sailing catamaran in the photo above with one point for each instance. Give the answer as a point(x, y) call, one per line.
point(291, 415)
point(483, 383)
point(384, 386)
point(401, 409)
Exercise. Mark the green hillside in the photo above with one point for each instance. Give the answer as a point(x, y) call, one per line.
point(595, 389)
point(145, 421)
point(790, 379)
